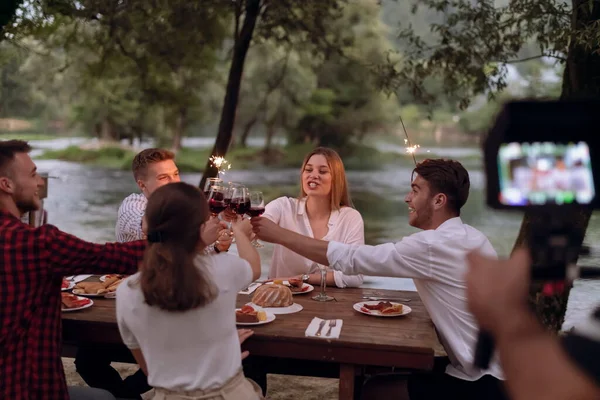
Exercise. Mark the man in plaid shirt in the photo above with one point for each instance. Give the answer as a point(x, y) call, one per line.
point(34, 260)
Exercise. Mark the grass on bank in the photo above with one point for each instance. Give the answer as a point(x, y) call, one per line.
point(194, 160)
point(27, 136)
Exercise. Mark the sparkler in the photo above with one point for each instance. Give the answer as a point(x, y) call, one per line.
point(410, 148)
point(220, 163)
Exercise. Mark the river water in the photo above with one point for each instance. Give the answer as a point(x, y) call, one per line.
point(83, 200)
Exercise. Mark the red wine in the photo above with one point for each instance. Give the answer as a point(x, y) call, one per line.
point(216, 206)
point(255, 211)
point(239, 206)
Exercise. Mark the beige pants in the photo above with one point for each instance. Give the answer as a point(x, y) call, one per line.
point(237, 388)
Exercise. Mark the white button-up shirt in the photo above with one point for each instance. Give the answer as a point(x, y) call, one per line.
point(345, 225)
point(436, 260)
point(129, 218)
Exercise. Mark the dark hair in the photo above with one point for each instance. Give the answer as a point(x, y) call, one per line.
point(448, 177)
point(8, 150)
point(169, 277)
point(147, 157)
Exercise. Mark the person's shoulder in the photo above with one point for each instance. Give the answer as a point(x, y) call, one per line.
point(285, 201)
point(134, 198)
point(135, 201)
point(350, 213)
point(129, 286)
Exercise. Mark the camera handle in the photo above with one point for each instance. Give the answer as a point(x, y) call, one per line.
point(554, 244)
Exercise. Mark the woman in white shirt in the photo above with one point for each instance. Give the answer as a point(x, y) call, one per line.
point(177, 314)
point(323, 211)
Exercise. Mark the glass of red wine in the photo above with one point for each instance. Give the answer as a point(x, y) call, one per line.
point(257, 208)
point(210, 182)
point(240, 200)
point(216, 200)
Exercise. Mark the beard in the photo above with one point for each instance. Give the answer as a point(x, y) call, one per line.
point(26, 204)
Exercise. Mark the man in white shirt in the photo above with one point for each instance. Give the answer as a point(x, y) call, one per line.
point(436, 259)
point(152, 168)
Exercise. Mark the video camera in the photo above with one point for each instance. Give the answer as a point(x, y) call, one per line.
point(544, 157)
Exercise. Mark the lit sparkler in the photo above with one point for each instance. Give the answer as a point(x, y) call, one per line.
point(220, 163)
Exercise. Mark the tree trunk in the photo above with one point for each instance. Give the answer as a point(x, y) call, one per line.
point(581, 80)
point(246, 131)
point(107, 130)
point(180, 124)
point(270, 134)
point(234, 80)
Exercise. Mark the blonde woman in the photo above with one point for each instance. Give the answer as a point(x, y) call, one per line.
point(177, 314)
point(323, 211)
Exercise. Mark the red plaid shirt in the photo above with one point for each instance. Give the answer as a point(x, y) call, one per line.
point(33, 264)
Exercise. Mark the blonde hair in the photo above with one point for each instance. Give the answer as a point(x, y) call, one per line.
point(339, 195)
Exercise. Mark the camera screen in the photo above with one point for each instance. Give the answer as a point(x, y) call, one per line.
point(539, 173)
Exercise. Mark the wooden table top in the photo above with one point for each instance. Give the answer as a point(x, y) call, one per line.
point(406, 342)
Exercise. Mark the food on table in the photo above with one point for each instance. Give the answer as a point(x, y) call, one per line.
point(71, 301)
point(109, 285)
point(384, 307)
point(297, 285)
point(247, 314)
point(65, 284)
point(273, 296)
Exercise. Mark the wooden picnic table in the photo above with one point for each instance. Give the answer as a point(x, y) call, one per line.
point(405, 342)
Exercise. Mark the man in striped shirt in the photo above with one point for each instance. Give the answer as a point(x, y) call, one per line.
point(152, 168)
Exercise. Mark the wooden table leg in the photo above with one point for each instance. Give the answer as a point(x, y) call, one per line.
point(346, 382)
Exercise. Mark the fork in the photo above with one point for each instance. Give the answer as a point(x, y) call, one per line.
point(332, 324)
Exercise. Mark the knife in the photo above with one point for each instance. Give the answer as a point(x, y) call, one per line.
point(375, 298)
point(321, 325)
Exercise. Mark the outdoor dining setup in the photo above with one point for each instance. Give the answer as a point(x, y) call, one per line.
point(351, 333)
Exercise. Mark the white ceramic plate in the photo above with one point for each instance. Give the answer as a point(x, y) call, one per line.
point(71, 286)
point(306, 286)
point(270, 318)
point(80, 292)
point(91, 303)
point(359, 307)
point(294, 308)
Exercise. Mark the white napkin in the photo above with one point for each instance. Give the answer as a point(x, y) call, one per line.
point(78, 278)
point(313, 327)
point(251, 288)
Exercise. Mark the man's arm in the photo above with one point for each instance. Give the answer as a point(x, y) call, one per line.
point(69, 255)
point(405, 259)
point(536, 366)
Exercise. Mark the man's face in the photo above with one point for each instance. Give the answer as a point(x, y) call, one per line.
point(23, 183)
point(420, 204)
point(157, 175)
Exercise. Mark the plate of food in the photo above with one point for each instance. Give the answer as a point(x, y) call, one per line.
point(67, 284)
point(382, 308)
point(71, 302)
point(275, 298)
point(111, 276)
point(107, 288)
point(251, 314)
point(296, 286)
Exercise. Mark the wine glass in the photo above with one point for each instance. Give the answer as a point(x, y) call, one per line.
point(216, 200)
point(240, 200)
point(257, 208)
point(210, 182)
point(322, 296)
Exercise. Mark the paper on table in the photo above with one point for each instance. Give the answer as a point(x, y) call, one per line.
point(251, 288)
point(313, 327)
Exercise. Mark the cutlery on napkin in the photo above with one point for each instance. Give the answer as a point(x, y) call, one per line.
point(78, 278)
point(324, 328)
point(251, 288)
